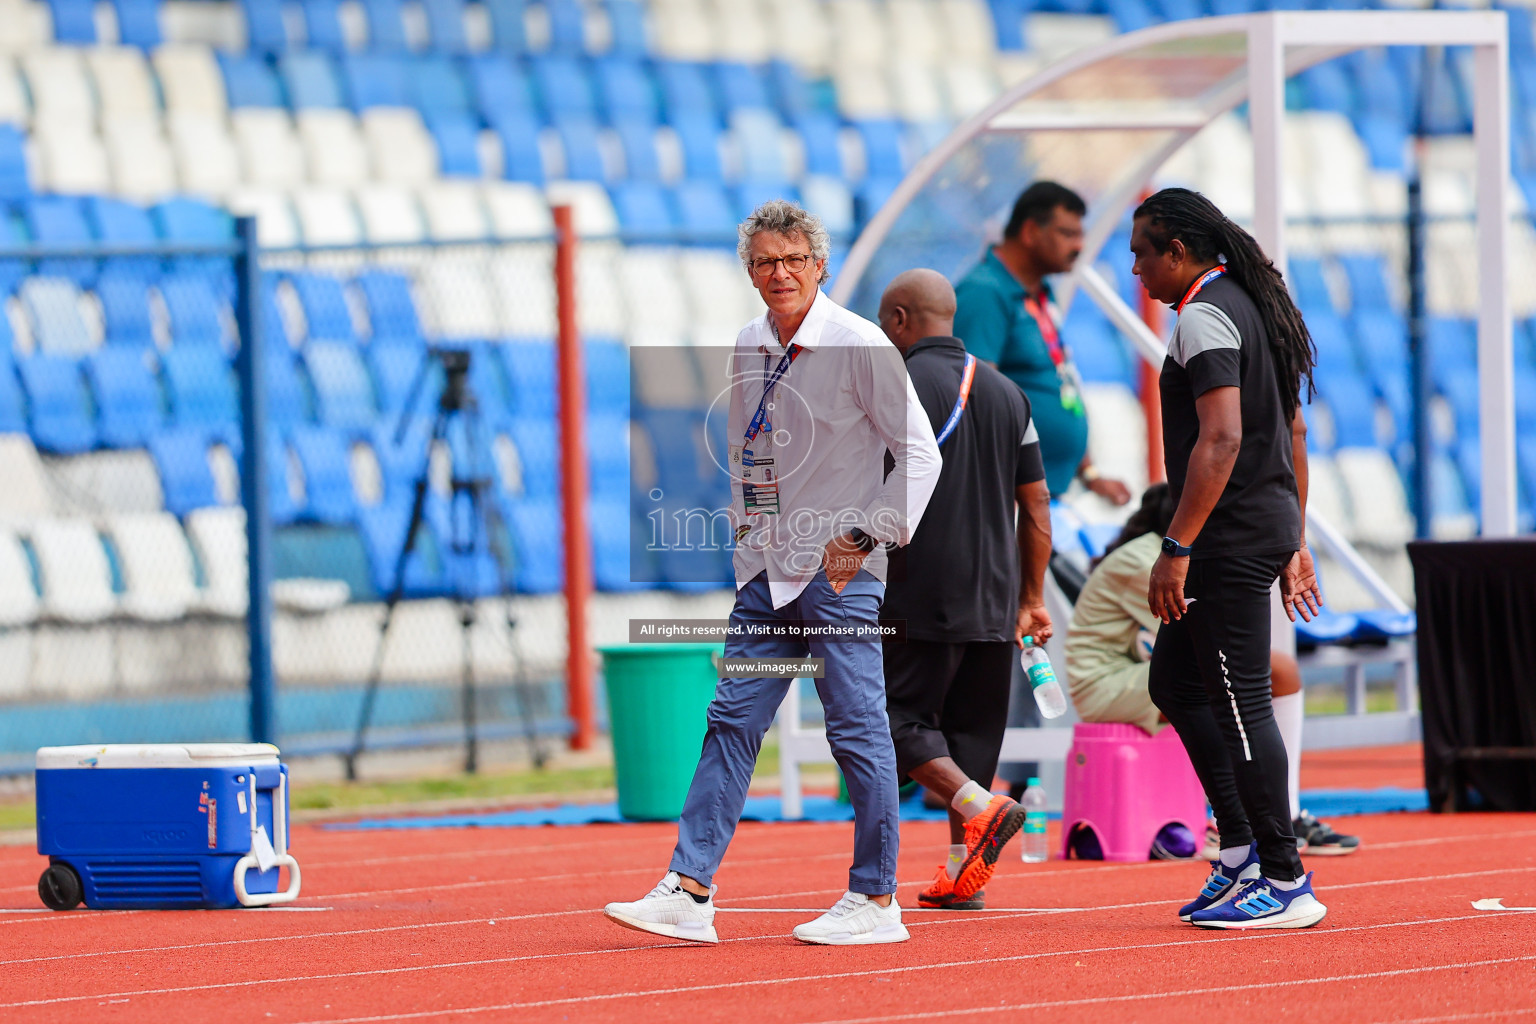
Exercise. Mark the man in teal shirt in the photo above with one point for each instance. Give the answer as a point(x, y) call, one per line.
point(1006, 316)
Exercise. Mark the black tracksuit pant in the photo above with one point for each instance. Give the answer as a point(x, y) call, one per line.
point(1210, 677)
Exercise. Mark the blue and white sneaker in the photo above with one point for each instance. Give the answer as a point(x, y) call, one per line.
point(1257, 904)
point(1220, 883)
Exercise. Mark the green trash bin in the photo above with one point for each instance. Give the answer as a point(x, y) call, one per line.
point(657, 697)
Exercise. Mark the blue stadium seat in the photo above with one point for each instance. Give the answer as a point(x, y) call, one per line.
point(1460, 389)
point(322, 26)
point(1335, 352)
point(1452, 344)
point(186, 478)
point(74, 21)
point(325, 307)
point(391, 310)
point(1328, 86)
point(13, 403)
point(1525, 400)
point(400, 463)
point(1385, 139)
point(1130, 15)
point(195, 310)
point(871, 195)
point(343, 393)
point(458, 144)
point(13, 164)
point(1382, 338)
point(125, 311)
point(686, 91)
point(749, 195)
point(1096, 348)
point(500, 87)
point(741, 87)
point(567, 26)
point(282, 504)
point(1367, 274)
point(287, 404)
point(383, 531)
point(882, 149)
point(273, 330)
point(58, 407)
point(191, 220)
point(1447, 490)
point(1353, 407)
point(608, 456)
point(1467, 454)
point(437, 87)
point(445, 25)
point(628, 95)
point(138, 22)
point(507, 26)
point(394, 364)
point(309, 79)
point(521, 158)
point(386, 25)
point(114, 222)
point(565, 93)
point(639, 144)
point(1327, 627)
point(643, 209)
point(538, 446)
point(325, 460)
point(759, 155)
point(607, 370)
point(626, 22)
point(675, 435)
point(59, 221)
point(583, 151)
point(610, 526)
point(375, 80)
point(264, 29)
point(791, 93)
point(818, 132)
point(128, 407)
point(201, 389)
point(700, 140)
point(537, 536)
point(530, 373)
point(249, 81)
point(1177, 10)
point(1308, 284)
point(704, 212)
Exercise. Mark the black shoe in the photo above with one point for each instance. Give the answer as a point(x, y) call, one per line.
point(1321, 840)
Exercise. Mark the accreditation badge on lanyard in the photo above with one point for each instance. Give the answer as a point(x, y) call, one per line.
point(1066, 370)
point(758, 467)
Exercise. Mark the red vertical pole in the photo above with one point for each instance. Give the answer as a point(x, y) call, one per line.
point(1151, 398)
point(573, 485)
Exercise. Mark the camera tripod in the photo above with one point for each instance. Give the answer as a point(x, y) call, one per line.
point(475, 529)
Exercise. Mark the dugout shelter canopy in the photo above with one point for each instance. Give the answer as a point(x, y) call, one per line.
point(1104, 119)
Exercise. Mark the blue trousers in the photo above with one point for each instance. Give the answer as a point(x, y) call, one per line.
point(853, 696)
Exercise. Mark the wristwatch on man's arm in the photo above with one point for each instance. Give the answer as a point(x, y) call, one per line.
point(1173, 549)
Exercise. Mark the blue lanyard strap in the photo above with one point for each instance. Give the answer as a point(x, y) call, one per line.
point(1194, 289)
point(966, 377)
point(761, 416)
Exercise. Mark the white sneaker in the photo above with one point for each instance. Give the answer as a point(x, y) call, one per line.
point(669, 910)
point(855, 920)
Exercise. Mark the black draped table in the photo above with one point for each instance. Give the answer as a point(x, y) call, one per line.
point(1477, 672)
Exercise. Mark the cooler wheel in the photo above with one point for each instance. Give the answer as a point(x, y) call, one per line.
point(60, 887)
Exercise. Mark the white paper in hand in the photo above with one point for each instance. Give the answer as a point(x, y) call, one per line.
point(261, 846)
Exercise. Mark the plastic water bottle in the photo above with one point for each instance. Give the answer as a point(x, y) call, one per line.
point(1042, 679)
point(1033, 842)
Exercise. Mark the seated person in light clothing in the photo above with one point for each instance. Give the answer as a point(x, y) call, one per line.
point(1109, 645)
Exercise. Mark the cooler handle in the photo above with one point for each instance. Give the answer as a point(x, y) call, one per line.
point(279, 846)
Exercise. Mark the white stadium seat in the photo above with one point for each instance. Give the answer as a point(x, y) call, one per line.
point(156, 564)
point(18, 600)
point(207, 162)
point(190, 80)
point(742, 32)
point(390, 214)
point(969, 86)
point(683, 30)
point(269, 150)
point(968, 32)
point(720, 293)
point(523, 283)
point(653, 291)
point(275, 224)
point(24, 25)
point(859, 31)
point(76, 579)
point(454, 212)
point(458, 300)
point(1375, 494)
point(917, 33)
point(192, 21)
point(916, 94)
point(218, 537)
point(143, 167)
point(334, 151)
point(829, 199)
point(59, 85)
point(862, 91)
point(25, 496)
point(71, 158)
point(601, 310)
point(123, 83)
point(802, 35)
point(115, 481)
point(592, 209)
point(1327, 494)
point(327, 217)
point(1052, 36)
point(15, 107)
point(54, 314)
point(399, 146)
point(517, 210)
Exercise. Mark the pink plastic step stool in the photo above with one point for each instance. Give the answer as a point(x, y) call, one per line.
point(1126, 785)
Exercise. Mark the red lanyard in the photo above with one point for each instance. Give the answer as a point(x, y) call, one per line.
point(1194, 289)
point(1036, 307)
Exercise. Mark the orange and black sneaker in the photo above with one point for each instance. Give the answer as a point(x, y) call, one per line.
point(985, 836)
point(941, 895)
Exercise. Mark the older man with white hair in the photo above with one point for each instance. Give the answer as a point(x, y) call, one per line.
point(817, 398)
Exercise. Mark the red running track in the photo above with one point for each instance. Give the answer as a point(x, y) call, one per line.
point(491, 925)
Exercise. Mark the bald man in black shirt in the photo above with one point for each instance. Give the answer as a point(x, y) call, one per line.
point(968, 587)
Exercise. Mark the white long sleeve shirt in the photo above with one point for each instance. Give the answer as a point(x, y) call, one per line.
point(844, 402)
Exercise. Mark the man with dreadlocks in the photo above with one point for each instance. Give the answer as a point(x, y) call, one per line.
point(1235, 444)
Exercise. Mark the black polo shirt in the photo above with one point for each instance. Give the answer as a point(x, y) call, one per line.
point(1221, 341)
point(958, 580)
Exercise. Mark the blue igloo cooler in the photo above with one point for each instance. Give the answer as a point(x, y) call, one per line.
point(173, 826)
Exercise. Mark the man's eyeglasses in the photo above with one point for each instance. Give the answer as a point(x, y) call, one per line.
point(794, 263)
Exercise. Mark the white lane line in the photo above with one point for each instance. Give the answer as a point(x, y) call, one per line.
point(1488, 1015)
point(419, 968)
point(680, 990)
point(1055, 1004)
